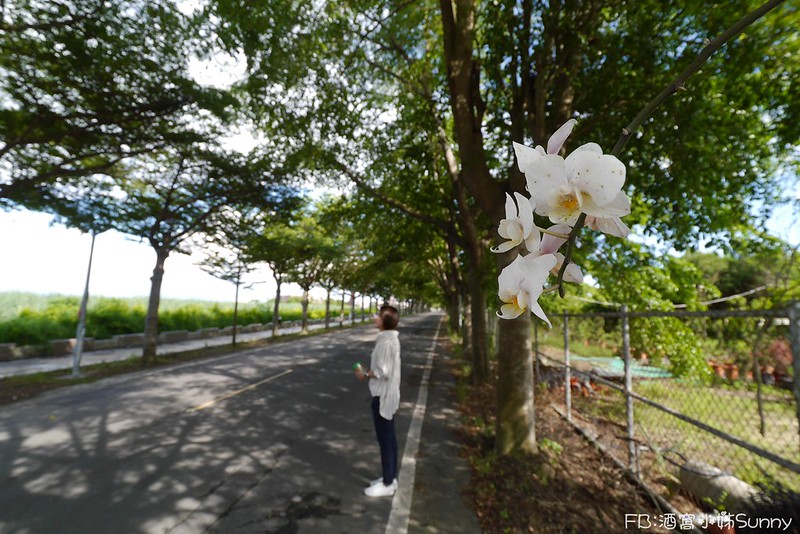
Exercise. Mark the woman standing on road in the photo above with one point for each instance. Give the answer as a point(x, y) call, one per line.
point(384, 385)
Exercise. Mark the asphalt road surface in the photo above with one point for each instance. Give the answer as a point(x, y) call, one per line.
point(275, 439)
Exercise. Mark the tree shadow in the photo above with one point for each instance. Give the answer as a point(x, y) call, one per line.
point(125, 455)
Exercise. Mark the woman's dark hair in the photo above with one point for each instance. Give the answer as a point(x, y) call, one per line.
point(389, 317)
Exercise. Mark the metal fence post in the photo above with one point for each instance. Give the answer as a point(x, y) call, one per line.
point(794, 335)
point(626, 354)
point(567, 377)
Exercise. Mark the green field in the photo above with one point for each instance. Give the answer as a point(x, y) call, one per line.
point(32, 319)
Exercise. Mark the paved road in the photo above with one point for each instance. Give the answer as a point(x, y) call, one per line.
point(164, 451)
point(26, 366)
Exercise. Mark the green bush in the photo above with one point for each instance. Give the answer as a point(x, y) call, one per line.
point(110, 317)
point(57, 321)
point(56, 317)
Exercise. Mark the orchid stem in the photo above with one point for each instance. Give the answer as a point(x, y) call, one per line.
point(551, 288)
point(554, 234)
point(573, 236)
point(694, 66)
point(678, 84)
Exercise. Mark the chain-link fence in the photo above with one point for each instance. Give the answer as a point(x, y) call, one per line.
point(723, 405)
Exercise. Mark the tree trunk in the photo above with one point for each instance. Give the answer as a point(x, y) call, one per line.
point(515, 416)
point(480, 358)
point(341, 311)
point(515, 429)
point(453, 285)
point(477, 297)
point(352, 308)
point(453, 312)
point(304, 329)
point(328, 309)
point(466, 326)
point(151, 321)
point(794, 335)
point(276, 318)
point(80, 332)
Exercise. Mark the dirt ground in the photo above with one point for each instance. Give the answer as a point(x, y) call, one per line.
point(570, 487)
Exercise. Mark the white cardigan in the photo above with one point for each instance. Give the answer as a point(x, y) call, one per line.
point(385, 366)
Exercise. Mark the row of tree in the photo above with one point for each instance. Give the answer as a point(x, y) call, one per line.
point(320, 246)
point(103, 126)
point(408, 110)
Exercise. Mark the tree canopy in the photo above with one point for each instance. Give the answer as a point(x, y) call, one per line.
point(409, 110)
point(87, 84)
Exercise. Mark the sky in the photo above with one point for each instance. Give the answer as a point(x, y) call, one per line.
point(41, 257)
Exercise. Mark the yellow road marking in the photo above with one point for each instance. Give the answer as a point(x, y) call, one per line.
point(212, 402)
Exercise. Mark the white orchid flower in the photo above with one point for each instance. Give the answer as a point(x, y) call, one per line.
point(521, 284)
point(608, 225)
point(586, 181)
point(526, 155)
point(518, 225)
point(551, 242)
point(572, 273)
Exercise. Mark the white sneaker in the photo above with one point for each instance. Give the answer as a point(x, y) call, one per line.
point(380, 481)
point(380, 490)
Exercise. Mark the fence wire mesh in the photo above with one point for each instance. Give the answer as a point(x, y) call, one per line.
point(736, 411)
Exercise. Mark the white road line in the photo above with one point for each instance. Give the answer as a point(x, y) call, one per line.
point(212, 402)
point(401, 502)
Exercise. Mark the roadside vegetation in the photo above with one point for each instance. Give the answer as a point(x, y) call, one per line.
point(29, 319)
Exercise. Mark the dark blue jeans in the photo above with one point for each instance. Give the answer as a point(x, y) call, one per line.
point(387, 439)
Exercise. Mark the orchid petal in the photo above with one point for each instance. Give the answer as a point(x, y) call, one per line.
point(511, 208)
point(610, 226)
point(559, 137)
point(509, 279)
point(533, 241)
point(544, 175)
point(572, 273)
point(589, 147)
point(536, 269)
point(503, 229)
point(526, 207)
point(562, 205)
point(551, 243)
point(537, 310)
point(509, 311)
point(504, 247)
point(526, 155)
point(619, 207)
point(515, 231)
point(601, 176)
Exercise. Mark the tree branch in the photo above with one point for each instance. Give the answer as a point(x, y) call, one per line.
point(409, 210)
point(669, 90)
point(699, 61)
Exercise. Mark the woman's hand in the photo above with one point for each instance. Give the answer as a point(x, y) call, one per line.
point(362, 374)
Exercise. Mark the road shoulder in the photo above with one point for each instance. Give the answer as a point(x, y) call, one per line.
point(442, 475)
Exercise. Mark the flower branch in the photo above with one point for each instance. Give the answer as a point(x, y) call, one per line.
point(583, 189)
point(694, 66)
